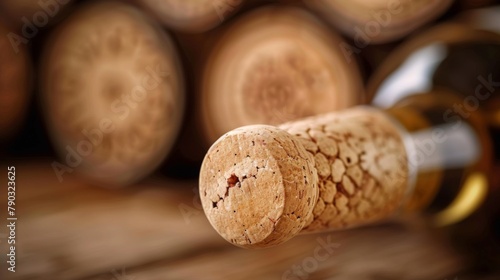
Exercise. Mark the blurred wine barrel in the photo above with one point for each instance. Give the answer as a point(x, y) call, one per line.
point(273, 65)
point(113, 93)
point(15, 83)
point(191, 16)
point(380, 21)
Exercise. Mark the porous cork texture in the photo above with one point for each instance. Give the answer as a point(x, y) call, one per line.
point(258, 186)
point(360, 158)
point(125, 75)
point(275, 65)
point(355, 161)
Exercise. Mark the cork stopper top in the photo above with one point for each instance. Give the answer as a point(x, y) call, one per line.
point(258, 186)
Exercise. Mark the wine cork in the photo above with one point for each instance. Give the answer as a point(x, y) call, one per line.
point(259, 188)
point(15, 84)
point(191, 16)
point(113, 94)
point(381, 21)
point(273, 65)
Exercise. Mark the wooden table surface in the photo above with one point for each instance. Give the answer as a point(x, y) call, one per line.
point(157, 230)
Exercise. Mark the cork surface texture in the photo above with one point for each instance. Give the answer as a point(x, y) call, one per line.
point(260, 186)
point(358, 160)
point(127, 92)
point(275, 65)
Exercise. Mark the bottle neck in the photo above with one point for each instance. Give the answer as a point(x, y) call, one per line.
point(449, 155)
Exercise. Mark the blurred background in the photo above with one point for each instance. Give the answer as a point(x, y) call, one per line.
point(108, 107)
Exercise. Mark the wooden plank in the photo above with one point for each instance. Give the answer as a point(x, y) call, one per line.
point(385, 252)
point(72, 230)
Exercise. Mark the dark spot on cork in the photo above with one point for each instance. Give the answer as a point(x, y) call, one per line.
point(232, 181)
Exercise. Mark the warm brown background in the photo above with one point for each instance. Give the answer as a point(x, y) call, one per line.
point(73, 230)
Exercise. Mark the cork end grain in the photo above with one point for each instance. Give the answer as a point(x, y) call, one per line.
point(118, 89)
point(258, 186)
point(275, 64)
